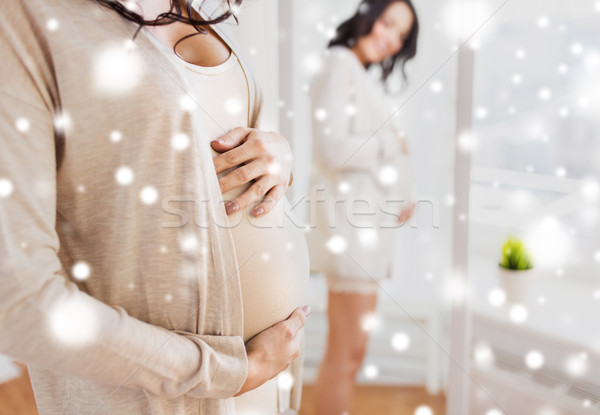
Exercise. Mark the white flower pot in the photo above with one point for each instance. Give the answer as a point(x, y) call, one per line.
point(519, 286)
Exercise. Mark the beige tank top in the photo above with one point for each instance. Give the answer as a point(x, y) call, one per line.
point(271, 251)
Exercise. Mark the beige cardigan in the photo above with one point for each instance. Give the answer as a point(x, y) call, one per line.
point(119, 289)
point(354, 138)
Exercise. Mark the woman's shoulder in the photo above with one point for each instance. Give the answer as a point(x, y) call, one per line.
point(340, 59)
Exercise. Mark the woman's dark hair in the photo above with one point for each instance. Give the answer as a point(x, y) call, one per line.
point(174, 14)
point(348, 33)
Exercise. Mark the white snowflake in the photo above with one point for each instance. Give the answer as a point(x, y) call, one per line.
point(312, 63)
point(563, 68)
point(81, 271)
point(343, 187)
point(475, 43)
point(124, 175)
point(563, 112)
point(534, 359)
point(517, 79)
point(497, 297)
point(129, 44)
point(187, 103)
point(370, 322)
point(545, 94)
point(285, 381)
point(180, 141)
point(132, 6)
point(117, 69)
point(483, 355)
point(400, 341)
point(467, 142)
point(52, 25)
point(22, 124)
point(320, 114)
point(6, 188)
point(62, 121)
point(116, 136)
point(336, 244)
point(456, 289)
point(590, 189)
point(576, 49)
point(520, 53)
point(367, 237)
point(518, 314)
point(371, 371)
point(481, 113)
point(72, 322)
point(149, 195)
point(436, 87)
point(233, 106)
point(189, 243)
point(388, 175)
point(330, 33)
point(543, 22)
point(423, 410)
point(274, 168)
point(576, 365)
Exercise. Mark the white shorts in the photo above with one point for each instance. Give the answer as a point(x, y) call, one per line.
point(339, 284)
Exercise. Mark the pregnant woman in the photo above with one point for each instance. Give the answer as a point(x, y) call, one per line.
point(126, 287)
point(270, 249)
point(360, 159)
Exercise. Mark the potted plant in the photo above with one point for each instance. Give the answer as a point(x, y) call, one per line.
point(516, 276)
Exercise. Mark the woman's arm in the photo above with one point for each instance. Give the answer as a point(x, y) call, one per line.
point(331, 105)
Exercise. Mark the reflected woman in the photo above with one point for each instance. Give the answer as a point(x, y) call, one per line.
point(359, 157)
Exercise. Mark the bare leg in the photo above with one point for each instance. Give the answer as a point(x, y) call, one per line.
point(346, 346)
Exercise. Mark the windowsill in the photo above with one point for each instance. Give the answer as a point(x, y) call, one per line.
point(568, 312)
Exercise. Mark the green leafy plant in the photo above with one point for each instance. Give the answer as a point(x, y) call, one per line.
point(515, 256)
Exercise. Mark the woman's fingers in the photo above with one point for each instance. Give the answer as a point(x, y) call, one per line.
point(233, 158)
point(270, 201)
point(240, 176)
point(231, 139)
point(406, 214)
point(262, 157)
point(255, 192)
point(297, 319)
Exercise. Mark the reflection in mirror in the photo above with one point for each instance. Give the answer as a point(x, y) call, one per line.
point(403, 369)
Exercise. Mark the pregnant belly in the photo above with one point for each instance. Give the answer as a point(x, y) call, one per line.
point(273, 264)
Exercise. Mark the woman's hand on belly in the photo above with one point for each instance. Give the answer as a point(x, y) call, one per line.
point(272, 351)
point(259, 156)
